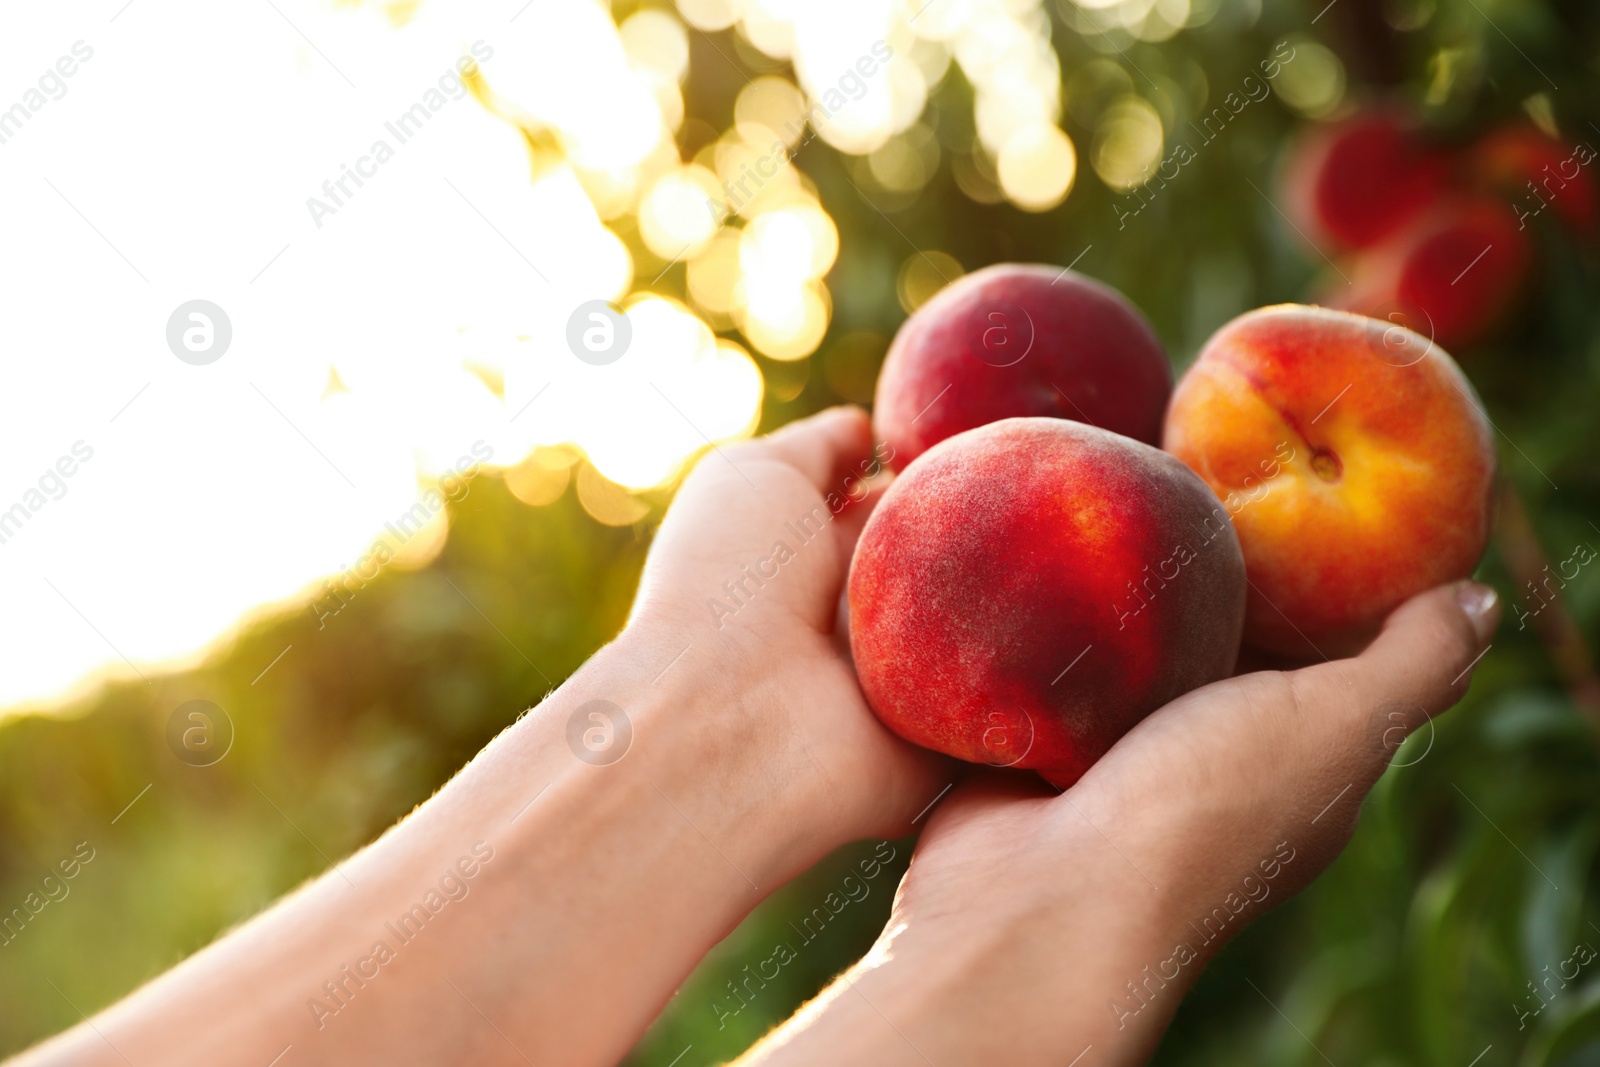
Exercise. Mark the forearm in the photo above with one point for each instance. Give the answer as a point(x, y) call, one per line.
point(593, 890)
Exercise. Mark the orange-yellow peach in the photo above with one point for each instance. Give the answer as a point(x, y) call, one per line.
point(1029, 590)
point(1354, 458)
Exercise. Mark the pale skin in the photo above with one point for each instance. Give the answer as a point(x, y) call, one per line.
point(597, 884)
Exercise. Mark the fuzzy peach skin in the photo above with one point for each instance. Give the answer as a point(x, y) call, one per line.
point(1028, 591)
point(1014, 340)
point(1355, 460)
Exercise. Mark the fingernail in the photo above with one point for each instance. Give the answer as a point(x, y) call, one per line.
point(1480, 602)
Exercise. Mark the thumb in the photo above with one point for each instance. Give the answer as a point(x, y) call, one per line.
point(1419, 665)
point(1357, 712)
point(1429, 645)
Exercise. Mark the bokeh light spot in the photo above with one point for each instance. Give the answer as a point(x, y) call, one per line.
point(1313, 83)
point(1127, 144)
point(1037, 167)
point(923, 274)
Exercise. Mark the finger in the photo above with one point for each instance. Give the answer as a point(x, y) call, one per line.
point(827, 447)
point(1419, 665)
point(1444, 633)
point(854, 515)
point(847, 529)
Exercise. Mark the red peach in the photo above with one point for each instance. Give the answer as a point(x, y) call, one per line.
point(1028, 591)
point(1454, 274)
point(1352, 183)
point(1535, 171)
point(1015, 340)
point(1355, 461)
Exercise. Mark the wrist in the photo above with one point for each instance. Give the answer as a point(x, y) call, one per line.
point(1060, 954)
point(626, 767)
point(1070, 951)
point(656, 715)
point(1094, 936)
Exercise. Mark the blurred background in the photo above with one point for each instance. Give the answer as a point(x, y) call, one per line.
point(379, 509)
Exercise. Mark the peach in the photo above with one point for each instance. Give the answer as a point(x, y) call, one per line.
point(1028, 591)
point(1535, 171)
point(1015, 340)
point(1354, 458)
point(1455, 274)
point(1354, 182)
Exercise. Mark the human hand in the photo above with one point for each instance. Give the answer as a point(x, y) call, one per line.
point(1032, 925)
point(745, 581)
point(736, 750)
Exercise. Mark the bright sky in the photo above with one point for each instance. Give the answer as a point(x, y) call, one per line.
point(372, 339)
point(176, 165)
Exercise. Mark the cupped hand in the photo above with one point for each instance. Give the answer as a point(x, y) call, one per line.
point(746, 580)
point(1034, 924)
